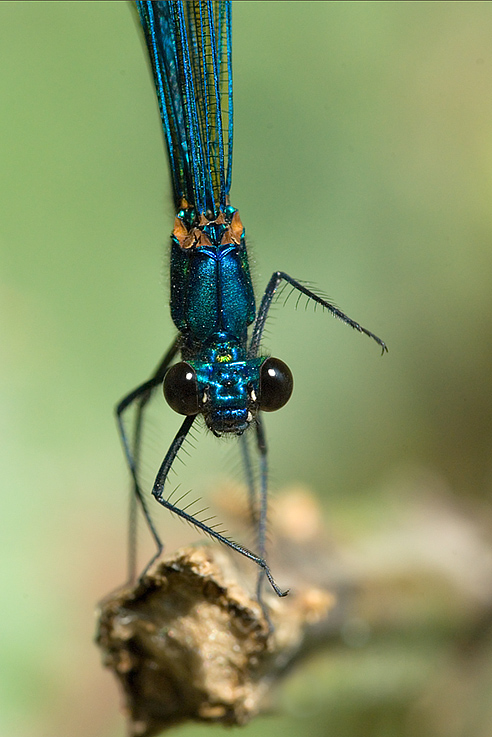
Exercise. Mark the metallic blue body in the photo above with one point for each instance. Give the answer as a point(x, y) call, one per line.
point(212, 305)
point(211, 291)
point(212, 299)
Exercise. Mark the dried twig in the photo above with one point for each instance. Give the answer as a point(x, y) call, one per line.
point(190, 642)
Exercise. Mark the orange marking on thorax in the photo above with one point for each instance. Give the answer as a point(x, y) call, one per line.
point(196, 237)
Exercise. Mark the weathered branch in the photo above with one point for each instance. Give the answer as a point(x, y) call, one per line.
point(190, 642)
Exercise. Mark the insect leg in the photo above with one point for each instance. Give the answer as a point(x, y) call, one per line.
point(263, 509)
point(158, 492)
point(266, 302)
point(250, 480)
point(131, 446)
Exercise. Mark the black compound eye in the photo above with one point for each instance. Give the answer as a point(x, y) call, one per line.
point(276, 384)
point(181, 389)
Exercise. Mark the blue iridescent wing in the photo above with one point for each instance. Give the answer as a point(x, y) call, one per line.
point(189, 44)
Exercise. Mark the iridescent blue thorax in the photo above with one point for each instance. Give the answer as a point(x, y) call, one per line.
point(212, 305)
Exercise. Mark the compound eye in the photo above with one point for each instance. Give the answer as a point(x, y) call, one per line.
point(181, 389)
point(276, 384)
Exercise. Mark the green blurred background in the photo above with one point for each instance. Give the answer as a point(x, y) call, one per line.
point(362, 162)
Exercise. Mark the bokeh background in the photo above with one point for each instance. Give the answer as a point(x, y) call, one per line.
point(363, 163)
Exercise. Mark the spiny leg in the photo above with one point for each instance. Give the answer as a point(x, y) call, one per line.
point(258, 512)
point(141, 395)
point(158, 492)
point(266, 302)
point(263, 511)
point(250, 480)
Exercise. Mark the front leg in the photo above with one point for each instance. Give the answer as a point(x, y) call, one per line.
point(201, 524)
point(266, 302)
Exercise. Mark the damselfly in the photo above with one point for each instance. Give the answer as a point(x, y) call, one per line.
point(222, 373)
